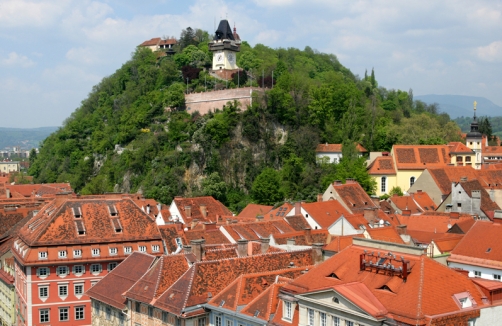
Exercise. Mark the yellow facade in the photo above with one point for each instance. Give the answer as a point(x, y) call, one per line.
point(464, 160)
point(389, 183)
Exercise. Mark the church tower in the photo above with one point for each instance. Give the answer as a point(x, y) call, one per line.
point(225, 47)
point(474, 140)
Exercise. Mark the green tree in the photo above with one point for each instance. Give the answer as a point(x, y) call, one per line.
point(214, 186)
point(266, 187)
point(396, 191)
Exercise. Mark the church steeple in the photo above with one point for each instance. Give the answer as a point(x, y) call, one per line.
point(474, 126)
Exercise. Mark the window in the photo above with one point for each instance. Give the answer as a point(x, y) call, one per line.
point(201, 322)
point(108, 313)
point(79, 289)
point(310, 315)
point(217, 321)
point(459, 205)
point(43, 292)
point(127, 250)
point(383, 184)
point(412, 181)
point(77, 253)
point(43, 272)
point(78, 269)
point(111, 266)
point(44, 315)
point(113, 251)
point(63, 314)
point(79, 313)
point(287, 310)
point(459, 159)
point(477, 273)
point(97, 307)
point(150, 312)
point(336, 321)
point(349, 323)
point(142, 248)
point(138, 307)
point(63, 290)
point(323, 318)
point(96, 268)
point(95, 252)
point(62, 254)
point(42, 255)
point(121, 319)
point(155, 248)
point(164, 317)
point(496, 277)
point(467, 158)
point(230, 322)
point(62, 271)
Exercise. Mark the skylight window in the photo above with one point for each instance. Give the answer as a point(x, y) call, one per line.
point(488, 250)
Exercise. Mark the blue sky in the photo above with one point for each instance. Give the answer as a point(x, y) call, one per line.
point(53, 51)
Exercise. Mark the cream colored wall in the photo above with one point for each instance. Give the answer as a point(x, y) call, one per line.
point(472, 162)
point(7, 295)
point(225, 63)
point(391, 183)
point(403, 178)
point(9, 167)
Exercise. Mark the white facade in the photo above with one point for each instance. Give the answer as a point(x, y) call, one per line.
point(329, 157)
point(9, 167)
point(478, 271)
point(225, 59)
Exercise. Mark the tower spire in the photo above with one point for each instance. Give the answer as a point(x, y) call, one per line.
point(475, 104)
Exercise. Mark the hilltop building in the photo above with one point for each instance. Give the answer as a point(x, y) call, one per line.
point(225, 47)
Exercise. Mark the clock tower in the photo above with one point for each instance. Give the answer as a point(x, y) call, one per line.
point(225, 47)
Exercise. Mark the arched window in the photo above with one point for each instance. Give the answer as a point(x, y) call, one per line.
point(383, 185)
point(412, 181)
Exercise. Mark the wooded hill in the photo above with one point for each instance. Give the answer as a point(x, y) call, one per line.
point(265, 153)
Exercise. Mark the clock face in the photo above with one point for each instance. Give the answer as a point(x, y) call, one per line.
point(231, 57)
point(219, 57)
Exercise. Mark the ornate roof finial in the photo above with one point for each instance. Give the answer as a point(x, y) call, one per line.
point(475, 104)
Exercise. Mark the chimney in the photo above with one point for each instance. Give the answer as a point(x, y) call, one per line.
point(209, 226)
point(406, 212)
point(350, 180)
point(308, 233)
point(265, 244)
point(179, 226)
point(148, 209)
point(7, 192)
point(298, 208)
point(198, 248)
point(370, 215)
point(319, 198)
point(203, 210)
point(229, 221)
point(187, 249)
point(337, 183)
point(194, 223)
point(376, 200)
point(476, 201)
point(242, 247)
point(291, 242)
point(402, 229)
point(317, 253)
point(259, 218)
point(188, 211)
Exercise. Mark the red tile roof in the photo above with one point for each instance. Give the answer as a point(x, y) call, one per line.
point(325, 213)
point(480, 246)
point(257, 230)
point(297, 222)
point(427, 294)
point(487, 205)
point(39, 190)
point(459, 148)
point(446, 175)
point(207, 279)
point(304, 238)
point(420, 157)
point(151, 42)
point(213, 207)
point(432, 222)
point(341, 242)
point(355, 199)
point(110, 288)
point(169, 233)
point(280, 212)
point(337, 148)
point(382, 165)
point(254, 210)
point(448, 242)
point(387, 234)
point(416, 203)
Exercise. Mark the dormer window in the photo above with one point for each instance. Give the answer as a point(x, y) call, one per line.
point(116, 225)
point(113, 251)
point(77, 253)
point(113, 210)
point(62, 254)
point(142, 248)
point(127, 250)
point(95, 252)
point(80, 227)
point(155, 248)
point(288, 311)
point(42, 255)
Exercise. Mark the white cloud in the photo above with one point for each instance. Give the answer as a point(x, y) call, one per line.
point(17, 60)
point(19, 13)
point(86, 56)
point(491, 52)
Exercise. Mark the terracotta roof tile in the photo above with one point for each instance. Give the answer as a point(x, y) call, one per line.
point(257, 230)
point(388, 234)
point(382, 165)
point(211, 236)
point(110, 288)
point(426, 294)
point(151, 42)
point(337, 148)
point(341, 242)
point(459, 148)
point(280, 212)
point(355, 199)
point(297, 222)
point(416, 203)
point(446, 175)
point(304, 238)
point(254, 210)
point(432, 222)
point(325, 213)
point(448, 243)
point(213, 209)
point(420, 157)
point(169, 233)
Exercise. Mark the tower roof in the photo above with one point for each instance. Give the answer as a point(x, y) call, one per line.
point(474, 133)
point(224, 31)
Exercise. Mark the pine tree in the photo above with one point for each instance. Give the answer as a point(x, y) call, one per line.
point(373, 80)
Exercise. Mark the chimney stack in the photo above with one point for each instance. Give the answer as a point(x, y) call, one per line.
point(308, 233)
point(371, 215)
point(406, 212)
point(203, 210)
point(242, 247)
point(148, 209)
point(265, 244)
point(337, 183)
point(319, 198)
point(198, 248)
point(209, 226)
point(7, 192)
point(317, 253)
point(298, 208)
point(187, 249)
point(259, 218)
point(194, 223)
point(188, 211)
point(402, 229)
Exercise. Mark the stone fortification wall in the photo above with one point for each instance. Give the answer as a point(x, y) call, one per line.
point(209, 101)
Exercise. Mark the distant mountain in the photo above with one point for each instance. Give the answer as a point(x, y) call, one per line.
point(25, 138)
point(459, 105)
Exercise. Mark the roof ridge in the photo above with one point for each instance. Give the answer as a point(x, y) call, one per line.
point(420, 289)
point(159, 276)
point(152, 265)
